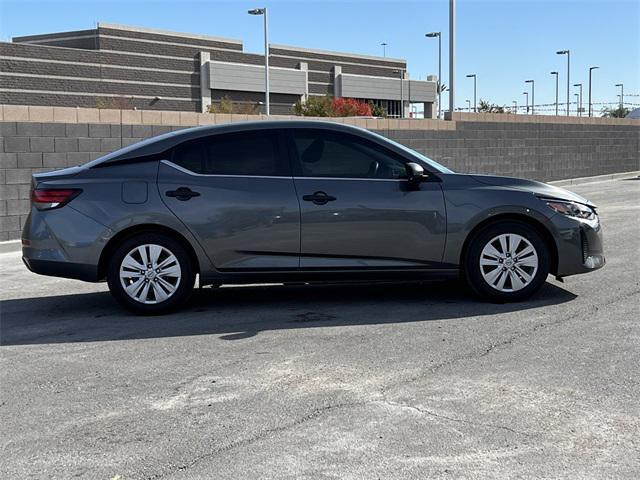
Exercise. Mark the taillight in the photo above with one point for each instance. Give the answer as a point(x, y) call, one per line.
point(48, 198)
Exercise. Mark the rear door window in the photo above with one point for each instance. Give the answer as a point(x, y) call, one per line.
point(255, 153)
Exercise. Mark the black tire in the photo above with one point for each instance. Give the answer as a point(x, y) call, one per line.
point(184, 284)
point(474, 275)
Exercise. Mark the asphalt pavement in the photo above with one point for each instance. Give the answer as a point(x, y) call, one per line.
point(390, 381)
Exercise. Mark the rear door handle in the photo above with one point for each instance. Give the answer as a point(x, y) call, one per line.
point(319, 198)
point(183, 194)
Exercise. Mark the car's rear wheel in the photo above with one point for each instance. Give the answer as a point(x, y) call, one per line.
point(507, 261)
point(150, 274)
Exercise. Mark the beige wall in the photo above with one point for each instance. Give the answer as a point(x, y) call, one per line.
point(19, 113)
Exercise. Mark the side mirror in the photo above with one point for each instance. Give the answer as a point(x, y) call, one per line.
point(415, 172)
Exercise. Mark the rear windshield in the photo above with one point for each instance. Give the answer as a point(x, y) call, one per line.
point(131, 148)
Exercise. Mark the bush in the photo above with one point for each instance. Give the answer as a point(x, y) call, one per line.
point(226, 105)
point(348, 107)
point(377, 110)
point(313, 107)
point(332, 107)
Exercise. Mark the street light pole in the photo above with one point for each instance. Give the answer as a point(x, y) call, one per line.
point(556, 74)
point(468, 105)
point(577, 95)
point(526, 100)
point(568, 54)
point(621, 85)
point(452, 55)
point(590, 70)
point(439, 84)
point(533, 95)
point(263, 12)
point(579, 108)
point(384, 49)
point(475, 101)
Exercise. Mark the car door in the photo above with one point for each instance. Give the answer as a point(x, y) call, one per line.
point(357, 210)
point(235, 193)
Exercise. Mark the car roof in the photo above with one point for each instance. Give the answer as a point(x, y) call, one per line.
point(161, 143)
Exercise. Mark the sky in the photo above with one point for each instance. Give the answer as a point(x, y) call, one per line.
point(503, 42)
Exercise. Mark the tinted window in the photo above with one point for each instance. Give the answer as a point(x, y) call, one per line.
point(331, 154)
point(190, 156)
point(245, 153)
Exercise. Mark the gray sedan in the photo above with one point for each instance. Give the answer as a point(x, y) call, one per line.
point(297, 201)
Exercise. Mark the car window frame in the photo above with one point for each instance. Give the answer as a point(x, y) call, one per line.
point(296, 163)
point(281, 152)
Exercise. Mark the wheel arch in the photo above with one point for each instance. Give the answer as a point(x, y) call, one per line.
point(542, 229)
point(144, 228)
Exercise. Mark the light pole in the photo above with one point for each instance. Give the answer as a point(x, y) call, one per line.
point(475, 102)
point(621, 85)
point(439, 84)
point(401, 72)
point(533, 95)
point(579, 108)
point(468, 105)
point(452, 55)
point(515, 107)
point(577, 95)
point(590, 70)
point(556, 74)
point(384, 48)
point(263, 12)
point(568, 54)
point(526, 100)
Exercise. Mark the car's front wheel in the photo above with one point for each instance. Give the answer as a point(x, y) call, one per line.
point(150, 274)
point(507, 261)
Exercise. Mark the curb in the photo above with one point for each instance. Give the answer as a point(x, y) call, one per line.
point(594, 179)
point(10, 246)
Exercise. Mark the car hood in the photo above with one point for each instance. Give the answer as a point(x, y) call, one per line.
point(537, 188)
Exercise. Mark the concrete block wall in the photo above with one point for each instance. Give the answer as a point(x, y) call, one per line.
point(35, 139)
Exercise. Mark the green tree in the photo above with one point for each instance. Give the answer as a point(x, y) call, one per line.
point(313, 107)
point(377, 110)
point(618, 112)
point(486, 107)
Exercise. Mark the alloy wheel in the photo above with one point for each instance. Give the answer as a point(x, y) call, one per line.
point(509, 262)
point(150, 274)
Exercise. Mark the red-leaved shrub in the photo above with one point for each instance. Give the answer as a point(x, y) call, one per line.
point(349, 107)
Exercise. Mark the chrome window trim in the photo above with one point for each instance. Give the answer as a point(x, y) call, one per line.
point(189, 172)
point(354, 178)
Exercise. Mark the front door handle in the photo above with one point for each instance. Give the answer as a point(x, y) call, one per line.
point(183, 194)
point(319, 198)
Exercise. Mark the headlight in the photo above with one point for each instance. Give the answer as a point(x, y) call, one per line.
point(571, 209)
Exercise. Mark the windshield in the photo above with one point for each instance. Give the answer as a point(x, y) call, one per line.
point(432, 163)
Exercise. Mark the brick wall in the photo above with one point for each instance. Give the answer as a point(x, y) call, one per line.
point(34, 139)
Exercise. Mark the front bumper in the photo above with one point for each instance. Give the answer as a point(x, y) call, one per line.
point(580, 246)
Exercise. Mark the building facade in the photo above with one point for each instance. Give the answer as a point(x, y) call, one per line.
point(115, 66)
